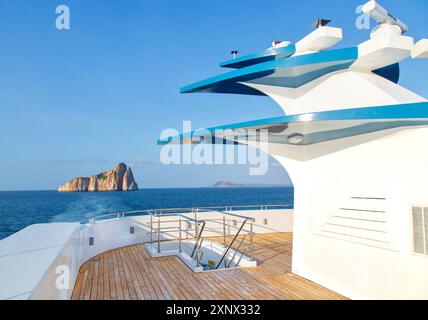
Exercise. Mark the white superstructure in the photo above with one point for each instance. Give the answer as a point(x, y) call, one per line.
point(354, 143)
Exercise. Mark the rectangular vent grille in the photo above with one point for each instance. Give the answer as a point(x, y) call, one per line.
point(361, 219)
point(420, 230)
point(426, 229)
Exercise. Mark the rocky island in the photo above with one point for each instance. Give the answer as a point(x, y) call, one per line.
point(120, 178)
point(228, 184)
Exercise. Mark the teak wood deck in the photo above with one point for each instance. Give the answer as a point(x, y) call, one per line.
point(131, 273)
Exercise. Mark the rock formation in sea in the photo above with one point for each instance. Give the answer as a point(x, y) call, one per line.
point(226, 184)
point(120, 178)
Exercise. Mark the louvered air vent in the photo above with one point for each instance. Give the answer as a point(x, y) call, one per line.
point(361, 219)
point(420, 229)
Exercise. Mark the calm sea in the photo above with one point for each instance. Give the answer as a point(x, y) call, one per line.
point(22, 208)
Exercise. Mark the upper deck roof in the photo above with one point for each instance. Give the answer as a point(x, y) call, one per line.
point(290, 71)
point(280, 73)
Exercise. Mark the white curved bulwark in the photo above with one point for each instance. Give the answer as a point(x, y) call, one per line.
point(355, 145)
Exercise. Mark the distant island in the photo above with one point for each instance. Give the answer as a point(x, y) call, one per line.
point(228, 184)
point(120, 178)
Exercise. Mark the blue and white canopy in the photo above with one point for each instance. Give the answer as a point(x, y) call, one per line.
point(277, 67)
point(312, 127)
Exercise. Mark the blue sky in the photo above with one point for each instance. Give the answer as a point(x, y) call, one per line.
point(76, 102)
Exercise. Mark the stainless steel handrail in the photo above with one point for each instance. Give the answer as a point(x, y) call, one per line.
point(165, 211)
point(198, 239)
point(219, 221)
point(242, 254)
point(236, 215)
point(156, 222)
point(156, 227)
point(236, 251)
point(230, 245)
point(196, 228)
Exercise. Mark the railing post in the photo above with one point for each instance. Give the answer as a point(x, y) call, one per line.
point(197, 242)
point(151, 228)
point(224, 230)
point(159, 234)
point(179, 233)
point(251, 240)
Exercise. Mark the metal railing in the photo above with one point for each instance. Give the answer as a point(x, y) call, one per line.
point(166, 225)
point(235, 237)
point(156, 229)
point(163, 226)
point(123, 214)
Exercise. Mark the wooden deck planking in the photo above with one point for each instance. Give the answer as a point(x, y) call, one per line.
point(131, 273)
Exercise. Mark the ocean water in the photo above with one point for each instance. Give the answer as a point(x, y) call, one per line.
point(19, 209)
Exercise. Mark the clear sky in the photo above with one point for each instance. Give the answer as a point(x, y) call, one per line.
point(76, 102)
